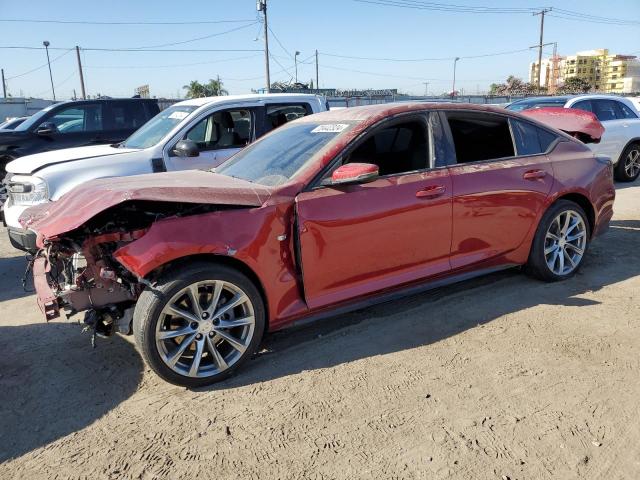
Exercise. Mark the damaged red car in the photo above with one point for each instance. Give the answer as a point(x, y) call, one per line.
point(328, 213)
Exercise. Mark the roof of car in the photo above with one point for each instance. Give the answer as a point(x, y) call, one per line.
point(382, 110)
point(254, 96)
point(542, 99)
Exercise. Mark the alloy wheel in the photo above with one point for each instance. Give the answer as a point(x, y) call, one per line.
point(565, 242)
point(205, 328)
point(632, 163)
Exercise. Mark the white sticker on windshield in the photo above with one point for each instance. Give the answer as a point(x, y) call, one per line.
point(330, 128)
point(179, 115)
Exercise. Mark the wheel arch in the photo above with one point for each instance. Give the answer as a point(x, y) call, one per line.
point(584, 202)
point(220, 260)
point(627, 145)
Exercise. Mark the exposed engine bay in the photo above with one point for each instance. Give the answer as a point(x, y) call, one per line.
point(79, 273)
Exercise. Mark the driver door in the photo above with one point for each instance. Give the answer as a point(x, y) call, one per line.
point(362, 238)
point(218, 136)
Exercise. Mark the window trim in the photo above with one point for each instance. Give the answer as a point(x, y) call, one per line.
point(419, 116)
point(449, 136)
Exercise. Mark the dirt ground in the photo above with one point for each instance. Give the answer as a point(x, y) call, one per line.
point(502, 377)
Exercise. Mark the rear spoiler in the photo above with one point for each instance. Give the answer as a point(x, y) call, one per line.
point(580, 124)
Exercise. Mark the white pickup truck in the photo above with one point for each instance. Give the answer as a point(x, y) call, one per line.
point(194, 134)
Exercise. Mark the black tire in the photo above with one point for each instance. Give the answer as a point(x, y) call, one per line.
point(152, 301)
point(630, 155)
point(537, 264)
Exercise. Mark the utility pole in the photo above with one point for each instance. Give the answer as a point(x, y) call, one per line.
point(262, 7)
point(295, 61)
point(453, 88)
point(46, 47)
point(426, 88)
point(317, 79)
point(540, 45)
point(84, 95)
point(218, 86)
point(4, 85)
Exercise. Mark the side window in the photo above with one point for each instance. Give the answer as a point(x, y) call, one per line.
point(77, 118)
point(278, 115)
point(583, 105)
point(604, 109)
point(529, 139)
point(622, 111)
point(127, 115)
point(223, 129)
point(480, 136)
point(399, 148)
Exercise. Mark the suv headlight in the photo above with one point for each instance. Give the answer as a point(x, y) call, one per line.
point(28, 190)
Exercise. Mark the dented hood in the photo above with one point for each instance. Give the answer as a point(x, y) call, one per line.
point(569, 120)
point(89, 199)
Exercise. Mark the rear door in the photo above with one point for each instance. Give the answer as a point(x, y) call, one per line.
point(218, 135)
point(359, 239)
point(274, 115)
point(500, 180)
point(123, 117)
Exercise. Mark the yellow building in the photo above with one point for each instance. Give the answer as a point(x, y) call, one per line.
point(605, 72)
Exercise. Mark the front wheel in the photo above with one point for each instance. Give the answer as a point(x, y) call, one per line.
point(628, 167)
point(560, 242)
point(199, 324)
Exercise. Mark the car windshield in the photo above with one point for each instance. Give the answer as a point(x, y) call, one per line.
point(158, 127)
point(536, 103)
point(278, 157)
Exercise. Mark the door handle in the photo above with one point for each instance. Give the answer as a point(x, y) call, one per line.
point(431, 192)
point(534, 174)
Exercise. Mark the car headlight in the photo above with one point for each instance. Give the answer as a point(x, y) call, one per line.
point(28, 190)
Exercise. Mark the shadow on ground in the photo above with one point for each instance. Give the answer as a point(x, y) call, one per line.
point(11, 273)
point(52, 383)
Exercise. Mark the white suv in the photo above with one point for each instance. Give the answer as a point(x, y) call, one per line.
point(194, 134)
point(620, 119)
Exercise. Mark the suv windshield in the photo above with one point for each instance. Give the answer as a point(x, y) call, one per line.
point(278, 157)
point(537, 103)
point(155, 129)
point(34, 119)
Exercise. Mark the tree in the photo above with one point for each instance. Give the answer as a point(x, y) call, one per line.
point(513, 86)
point(212, 88)
point(575, 85)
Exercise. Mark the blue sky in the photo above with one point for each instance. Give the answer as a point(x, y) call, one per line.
point(343, 27)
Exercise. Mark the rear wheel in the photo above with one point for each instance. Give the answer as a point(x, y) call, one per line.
point(199, 324)
point(628, 167)
point(560, 242)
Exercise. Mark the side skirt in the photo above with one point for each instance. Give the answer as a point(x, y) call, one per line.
point(394, 294)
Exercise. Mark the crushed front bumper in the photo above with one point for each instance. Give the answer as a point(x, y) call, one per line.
point(47, 298)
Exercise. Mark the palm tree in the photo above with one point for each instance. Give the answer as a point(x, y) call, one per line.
point(215, 88)
point(195, 89)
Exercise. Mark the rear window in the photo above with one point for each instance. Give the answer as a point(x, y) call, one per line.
point(480, 136)
point(530, 139)
point(127, 115)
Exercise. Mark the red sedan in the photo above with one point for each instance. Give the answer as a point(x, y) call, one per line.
point(328, 213)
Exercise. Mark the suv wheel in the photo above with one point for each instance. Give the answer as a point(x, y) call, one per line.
point(628, 167)
point(560, 242)
point(199, 324)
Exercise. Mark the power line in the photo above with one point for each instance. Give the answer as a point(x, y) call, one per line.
point(92, 49)
point(198, 38)
point(90, 22)
point(448, 7)
point(173, 65)
point(436, 59)
point(40, 67)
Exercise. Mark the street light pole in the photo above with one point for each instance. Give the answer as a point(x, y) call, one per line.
point(295, 60)
point(262, 7)
point(46, 47)
point(453, 88)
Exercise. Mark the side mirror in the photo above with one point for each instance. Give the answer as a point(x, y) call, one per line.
point(186, 148)
point(354, 173)
point(47, 128)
